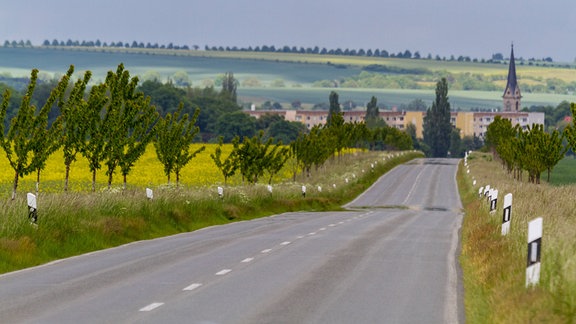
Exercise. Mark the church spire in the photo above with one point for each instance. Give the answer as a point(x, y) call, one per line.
point(512, 92)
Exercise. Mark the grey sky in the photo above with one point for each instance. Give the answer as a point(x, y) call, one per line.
point(476, 28)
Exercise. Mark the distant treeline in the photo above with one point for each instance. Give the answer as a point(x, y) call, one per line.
point(406, 54)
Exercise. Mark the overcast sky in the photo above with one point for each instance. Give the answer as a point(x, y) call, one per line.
point(475, 28)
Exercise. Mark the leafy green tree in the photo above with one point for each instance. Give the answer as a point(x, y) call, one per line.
point(174, 134)
point(285, 131)
point(372, 118)
point(229, 86)
point(182, 79)
point(456, 149)
point(532, 157)
point(230, 164)
point(129, 122)
point(275, 160)
point(312, 149)
point(437, 127)
point(253, 157)
point(397, 139)
point(553, 149)
point(92, 145)
point(339, 133)
point(499, 131)
point(73, 129)
point(28, 142)
point(230, 125)
point(334, 108)
point(570, 130)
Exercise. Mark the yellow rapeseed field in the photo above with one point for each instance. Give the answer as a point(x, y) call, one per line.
point(148, 172)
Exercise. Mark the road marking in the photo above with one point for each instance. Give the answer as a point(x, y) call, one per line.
point(247, 260)
point(193, 286)
point(332, 225)
point(151, 307)
point(300, 237)
point(285, 243)
point(266, 251)
point(313, 233)
point(340, 223)
point(223, 272)
point(323, 229)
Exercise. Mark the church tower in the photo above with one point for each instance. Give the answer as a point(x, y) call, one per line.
point(512, 93)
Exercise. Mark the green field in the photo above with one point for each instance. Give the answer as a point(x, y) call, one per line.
point(564, 173)
point(296, 73)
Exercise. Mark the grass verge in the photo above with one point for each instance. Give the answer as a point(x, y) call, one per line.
point(494, 265)
point(76, 223)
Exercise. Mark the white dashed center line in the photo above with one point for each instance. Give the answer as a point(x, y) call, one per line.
point(246, 260)
point(223, 272)
point(151, 307)
point(193, 286)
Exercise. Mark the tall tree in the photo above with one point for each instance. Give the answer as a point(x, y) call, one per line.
point(334, 107)
point(229, 85)
point(372, 118)
point(437, 127)
point(174, 134)
point(129, 122)
point(93, 141)
point(73, 129)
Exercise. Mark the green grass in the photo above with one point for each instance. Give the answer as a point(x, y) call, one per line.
point(494, 265)
point(564, 173)
point(76, 223)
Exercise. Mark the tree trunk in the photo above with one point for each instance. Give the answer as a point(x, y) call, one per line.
point(37, 182)
point(177, 178)
point(124, 185)
point(110, 180)
point(15, 186)
point(66, 178)
point(94, 181)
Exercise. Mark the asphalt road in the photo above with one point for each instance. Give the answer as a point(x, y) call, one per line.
point(392, 258)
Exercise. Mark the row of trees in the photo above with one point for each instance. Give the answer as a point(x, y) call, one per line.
point(110, 124)
point(532, 149)
point(406, 54)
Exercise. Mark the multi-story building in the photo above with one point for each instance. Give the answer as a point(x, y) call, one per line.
point(469, 123)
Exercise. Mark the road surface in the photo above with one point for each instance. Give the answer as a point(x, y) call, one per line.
point(391, 258)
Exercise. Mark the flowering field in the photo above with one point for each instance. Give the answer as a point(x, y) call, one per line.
point(148, 172)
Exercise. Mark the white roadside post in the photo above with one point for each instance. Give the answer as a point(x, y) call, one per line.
point(480, 192)
point(534, 251)
point(221, 192)
point(32, 208)
point(493, 201)
point(269, 188)
point(319, 189)
point(507, 214)
point(303, 191)
point(149, 193)
point(486, 191)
